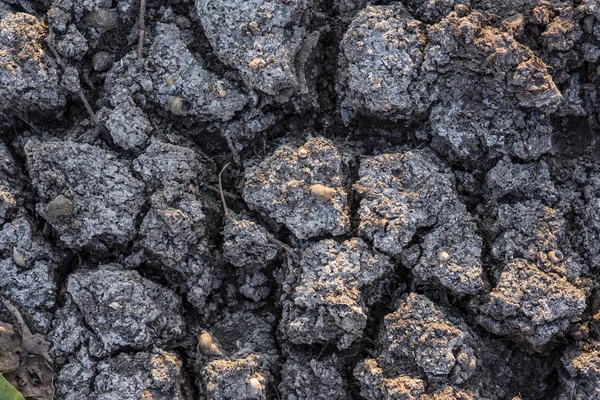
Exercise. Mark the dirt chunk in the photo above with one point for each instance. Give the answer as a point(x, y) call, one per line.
point(280, 186)
point(590, 219)
point(75, 377)
point(178, 74)
point(145, 375)
point(328, 300)
point(529, 304)
point(411, 191)
point(73, 44)
point(124, 310)
point(163, 162)
point(29, 78)
point(527, 229)
point(28, 270)
point(582, 365)
point(106, 197)
point(449, 393)
point(374, 385)
point(9, 185)
point(446, 71)
point(310, 378)
point(251, 249)
point(431, 10)
point(425, 348)
point(174, 227)
point(381, 72)
point(243, 333)
point(154, 375)
point(247, 244)
point(237, 379)
point(258, 38)
point(510, 180)
point(419, 332)
point(127, 124)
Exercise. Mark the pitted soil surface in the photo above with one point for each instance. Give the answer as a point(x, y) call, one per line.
point(302, 199)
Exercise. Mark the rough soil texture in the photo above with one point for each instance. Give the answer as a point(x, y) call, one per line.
point(412, 195)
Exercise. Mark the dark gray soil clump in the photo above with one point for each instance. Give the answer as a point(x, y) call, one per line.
point(301, 199)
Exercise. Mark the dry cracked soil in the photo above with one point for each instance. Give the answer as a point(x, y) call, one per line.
point(300, 199)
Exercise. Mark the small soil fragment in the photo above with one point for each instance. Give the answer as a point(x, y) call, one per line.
point(146, 315)
point(328, 300)
point(281, 186)
point(78, 172)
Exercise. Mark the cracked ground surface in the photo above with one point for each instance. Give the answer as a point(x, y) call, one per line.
point(301, 199)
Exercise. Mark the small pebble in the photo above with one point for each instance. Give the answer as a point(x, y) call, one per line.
point(322, 192)
point(382, 223)
point(555, 256)
point(256, 63)
point(104, 19)
point(116, 306)
point(443, 256)
point(461, 10)
point(255, 98)
point(207, 346)
point(178, 106)
point(59, 207)
point(302, 153)
point(255, 389)
point(102, 61)
point(18, 257)
point(219, 89)
point(149, 65)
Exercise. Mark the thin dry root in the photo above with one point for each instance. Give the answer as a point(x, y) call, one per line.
point(80, 92)
point(142, 28)
point(221, 190)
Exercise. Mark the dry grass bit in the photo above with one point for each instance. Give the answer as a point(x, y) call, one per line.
point(382, 223)
point(140, 51)
point(221, 190)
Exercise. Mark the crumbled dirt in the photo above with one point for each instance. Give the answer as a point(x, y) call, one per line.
point(300, 199)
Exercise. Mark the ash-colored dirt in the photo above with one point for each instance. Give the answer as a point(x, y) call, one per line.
point(302, 199)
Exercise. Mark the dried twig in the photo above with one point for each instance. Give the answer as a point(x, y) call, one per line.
point(276, 391)
point(12, 123)
point(80, 92)
point(142, 28)
point(322, 350)
point(221, 190)
point(215, 189)
point(234, 152)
